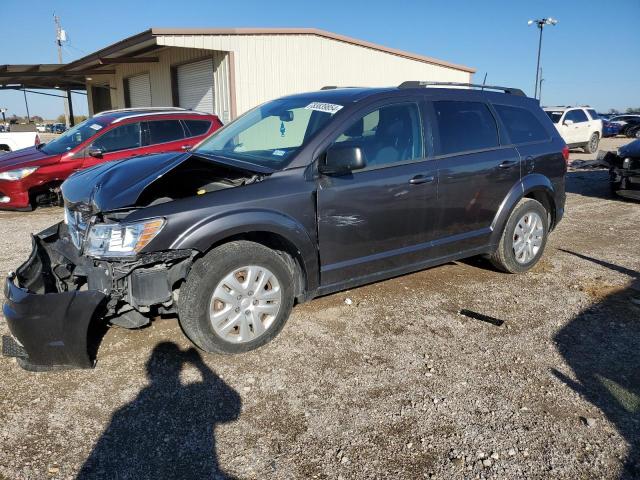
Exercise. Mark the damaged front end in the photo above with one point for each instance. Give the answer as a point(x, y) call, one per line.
point(57, 294)
point(624, 170)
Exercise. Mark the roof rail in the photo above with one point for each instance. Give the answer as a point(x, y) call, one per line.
point(419, 84)
point(333, 87)
point(138, 109)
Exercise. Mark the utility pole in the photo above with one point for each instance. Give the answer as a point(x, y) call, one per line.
point(61, 36)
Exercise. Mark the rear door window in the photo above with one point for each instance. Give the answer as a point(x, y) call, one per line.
point(594, 114)
point(123, 137)
point(163, 131)
point(464, 127)
point(196, 127)
point(576, 116)
point(521, 125)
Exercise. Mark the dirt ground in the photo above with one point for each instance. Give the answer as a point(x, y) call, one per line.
point(396, 385)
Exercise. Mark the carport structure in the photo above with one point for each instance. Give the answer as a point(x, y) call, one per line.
point(48, 76)
point(227, 71)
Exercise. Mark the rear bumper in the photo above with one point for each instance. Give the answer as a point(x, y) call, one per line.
point(53, 327)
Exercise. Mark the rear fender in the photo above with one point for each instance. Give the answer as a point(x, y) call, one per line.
point(529, 184)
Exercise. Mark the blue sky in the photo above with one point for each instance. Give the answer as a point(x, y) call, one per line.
point(590, 57)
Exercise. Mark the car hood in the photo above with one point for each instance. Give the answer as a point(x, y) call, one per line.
point(630, 149)
point(118, 185)
point(26, 157)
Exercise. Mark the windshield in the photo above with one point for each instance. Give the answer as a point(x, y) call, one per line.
point(554, 116)
point(73, 137)
point(271, 134)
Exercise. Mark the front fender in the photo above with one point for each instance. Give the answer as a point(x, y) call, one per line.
point(212, 230)
point(529, 183)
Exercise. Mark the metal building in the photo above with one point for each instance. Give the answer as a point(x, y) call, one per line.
point(228, 71)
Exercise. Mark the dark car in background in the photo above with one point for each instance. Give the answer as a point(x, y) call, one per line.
point(302, 196)
point(624, 170)
point(32, 176)
point(609, 129)
point(627, 123)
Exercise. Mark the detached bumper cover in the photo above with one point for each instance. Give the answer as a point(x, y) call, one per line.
point(51, 327)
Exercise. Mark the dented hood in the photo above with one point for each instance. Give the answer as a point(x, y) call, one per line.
point(114, 185)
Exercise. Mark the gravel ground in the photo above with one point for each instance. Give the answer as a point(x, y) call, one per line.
point(395, 385)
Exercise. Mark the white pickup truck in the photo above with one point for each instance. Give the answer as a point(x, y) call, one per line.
point(19, 137)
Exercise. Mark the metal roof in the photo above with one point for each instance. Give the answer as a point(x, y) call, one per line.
point(139, 48)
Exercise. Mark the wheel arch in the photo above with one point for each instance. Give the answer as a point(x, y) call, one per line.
point(534, 186)
point(271, 229)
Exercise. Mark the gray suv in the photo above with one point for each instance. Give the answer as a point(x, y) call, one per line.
point(302, 196)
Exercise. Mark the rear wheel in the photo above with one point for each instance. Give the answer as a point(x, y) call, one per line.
point(236, 298)
point(523, 238)
point(592, 145)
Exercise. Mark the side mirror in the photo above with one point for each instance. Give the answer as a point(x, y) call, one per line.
point(286, 116)
point(342, 159)
point(568, 122)
point(94, 152)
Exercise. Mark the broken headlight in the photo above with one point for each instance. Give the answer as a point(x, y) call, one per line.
point(118, 240)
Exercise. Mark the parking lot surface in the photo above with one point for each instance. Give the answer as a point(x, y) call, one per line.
point(394, 383)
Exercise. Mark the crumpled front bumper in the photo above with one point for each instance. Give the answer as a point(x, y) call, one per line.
point(51, 327)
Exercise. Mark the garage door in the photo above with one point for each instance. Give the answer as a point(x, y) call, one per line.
point(195, 86)
point(138, 91)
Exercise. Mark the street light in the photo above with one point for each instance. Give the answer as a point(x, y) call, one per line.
point(540, 24)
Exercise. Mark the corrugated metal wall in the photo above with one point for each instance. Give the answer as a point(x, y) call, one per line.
point(160, 77)
point(269, 66)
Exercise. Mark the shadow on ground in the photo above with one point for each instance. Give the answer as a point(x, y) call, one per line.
point(602, 347)
point(590, 183)
point(168, 430)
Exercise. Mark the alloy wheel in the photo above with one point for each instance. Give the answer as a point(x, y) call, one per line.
point(527, 237)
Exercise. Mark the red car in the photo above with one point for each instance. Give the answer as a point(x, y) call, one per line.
point(32, 176)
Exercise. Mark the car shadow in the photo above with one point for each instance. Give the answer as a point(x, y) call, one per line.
point(168, 430)
point(590, 183)
point(602, 347)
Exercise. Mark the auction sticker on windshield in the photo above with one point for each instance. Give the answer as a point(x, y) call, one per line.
point(323, 107)
point(96, 127)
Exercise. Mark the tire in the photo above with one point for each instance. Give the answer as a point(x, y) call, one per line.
point(505, 258)
point(592, 144)
point(211, 274)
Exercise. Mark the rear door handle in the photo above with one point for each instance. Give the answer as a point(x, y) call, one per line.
point(186, 147)
point(418, 179)
point(508, 164)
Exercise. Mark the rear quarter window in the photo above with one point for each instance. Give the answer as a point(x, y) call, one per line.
point(464, 127)
point(521, 125)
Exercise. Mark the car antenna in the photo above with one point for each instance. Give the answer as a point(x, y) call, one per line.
point(484, 82)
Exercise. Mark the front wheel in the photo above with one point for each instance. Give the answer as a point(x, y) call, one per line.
point(523, 238)
point(236, 298)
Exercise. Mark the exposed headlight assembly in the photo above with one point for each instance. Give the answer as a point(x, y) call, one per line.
point(119, 239)
point(19, 174)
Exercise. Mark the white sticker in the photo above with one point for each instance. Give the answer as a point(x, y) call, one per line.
point(96, 126)
point(323, 107)
point(279, 153)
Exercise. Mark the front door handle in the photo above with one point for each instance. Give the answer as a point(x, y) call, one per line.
point(419, 179)
point(186, 147)
point(508, 164)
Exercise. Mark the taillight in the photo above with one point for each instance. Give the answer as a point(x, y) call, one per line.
point(565, 154)
point(37, 141)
